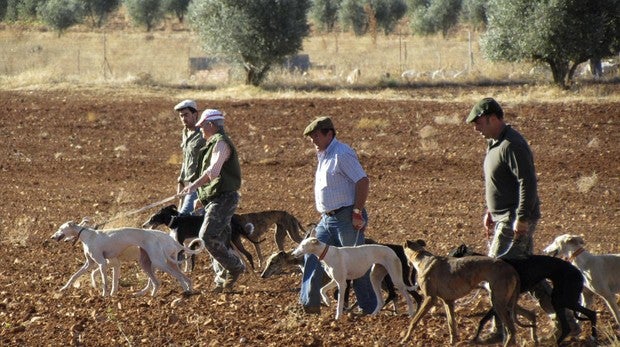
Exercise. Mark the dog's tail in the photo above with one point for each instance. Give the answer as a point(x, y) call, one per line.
point(188, 249)
point(249, 229)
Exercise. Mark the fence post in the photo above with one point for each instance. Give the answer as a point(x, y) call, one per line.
point(471, 52)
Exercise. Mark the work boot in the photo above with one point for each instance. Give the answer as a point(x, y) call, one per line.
point(312, 309)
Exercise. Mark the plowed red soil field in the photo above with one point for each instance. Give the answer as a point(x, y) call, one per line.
point(75, 153)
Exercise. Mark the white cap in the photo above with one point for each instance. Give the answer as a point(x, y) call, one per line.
point(185, 104)
point(209, 115)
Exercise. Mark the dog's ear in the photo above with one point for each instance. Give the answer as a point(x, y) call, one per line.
point(462, 249)
point(86, 221)
point(458, 251)
point(421, 242)
point(579, 240)
point(574, 240)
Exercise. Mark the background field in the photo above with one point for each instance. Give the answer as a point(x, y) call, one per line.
point(162, 57)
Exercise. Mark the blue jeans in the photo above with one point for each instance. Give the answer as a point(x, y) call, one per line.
point(337, 231)
point(188, 204)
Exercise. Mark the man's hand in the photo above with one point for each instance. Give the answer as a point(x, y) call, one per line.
point(180, 186)
point(488, 223)
point(197, 204)
point(520, 228)
point(187, 190)
point(358, 220)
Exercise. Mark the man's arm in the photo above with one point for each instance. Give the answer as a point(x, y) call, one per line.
point(362, 187)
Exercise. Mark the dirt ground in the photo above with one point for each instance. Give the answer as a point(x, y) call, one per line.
point(75, 153)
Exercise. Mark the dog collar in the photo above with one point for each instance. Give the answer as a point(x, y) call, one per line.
point(576, 254)
point(323, 253)
point(78, 236)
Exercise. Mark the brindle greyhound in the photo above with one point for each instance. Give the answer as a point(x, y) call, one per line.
point(452, 278)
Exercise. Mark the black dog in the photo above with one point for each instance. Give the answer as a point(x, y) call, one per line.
point(189, 227)
point(409, 273)
point(566, 279)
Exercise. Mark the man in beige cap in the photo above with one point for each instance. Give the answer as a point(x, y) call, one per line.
point(340, 191)
point(217, 186)
point(191, 143)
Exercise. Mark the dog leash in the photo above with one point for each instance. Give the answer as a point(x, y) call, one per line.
point(160, 202)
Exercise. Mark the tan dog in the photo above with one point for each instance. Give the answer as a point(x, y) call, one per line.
point(452, 278)
point(286, 224)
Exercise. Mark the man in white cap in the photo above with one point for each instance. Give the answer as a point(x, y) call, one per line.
point(191, 143)
point(217, 186)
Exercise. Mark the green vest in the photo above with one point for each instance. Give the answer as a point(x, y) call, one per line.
point(230, 175)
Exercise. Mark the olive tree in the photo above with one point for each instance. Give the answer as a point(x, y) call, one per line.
point(433, 16)
point(178, 7)
point(324, 13)
point(145, 12)
point(254, 33)
point(98, 10)
point(388, 13)
point(369, 15)
point(14, 10)
point(474, 12)
point(561, 34)
point(61, 14)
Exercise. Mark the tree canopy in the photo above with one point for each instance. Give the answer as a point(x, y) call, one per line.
point(255, 33)
point(145, 12)
point(61, 14)
point(561, 34)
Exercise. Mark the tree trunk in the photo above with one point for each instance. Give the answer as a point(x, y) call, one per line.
point(249, 75)
point(559, 70)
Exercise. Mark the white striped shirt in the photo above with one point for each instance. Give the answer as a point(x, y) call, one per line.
point(337, 173)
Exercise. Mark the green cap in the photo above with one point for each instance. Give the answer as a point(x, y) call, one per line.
point(318, 124)
point(485, 106)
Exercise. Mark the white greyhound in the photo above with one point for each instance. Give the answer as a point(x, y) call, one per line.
point(349, 263)
point(600, 271)
point(157, 249)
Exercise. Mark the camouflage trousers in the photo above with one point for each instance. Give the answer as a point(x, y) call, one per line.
point(216, 233)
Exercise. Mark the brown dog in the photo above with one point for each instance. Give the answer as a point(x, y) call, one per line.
point(452, 278)
point(286, 224)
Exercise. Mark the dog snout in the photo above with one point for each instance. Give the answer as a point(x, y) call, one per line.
point(58, 237)
point(551, 252)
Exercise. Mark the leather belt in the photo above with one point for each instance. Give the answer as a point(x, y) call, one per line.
point(336, 211)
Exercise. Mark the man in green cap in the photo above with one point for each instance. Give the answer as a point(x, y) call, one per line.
point(340, 191)
point(513, 207)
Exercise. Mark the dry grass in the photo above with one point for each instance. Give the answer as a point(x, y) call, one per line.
point(138, 60)
point(586, 183)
